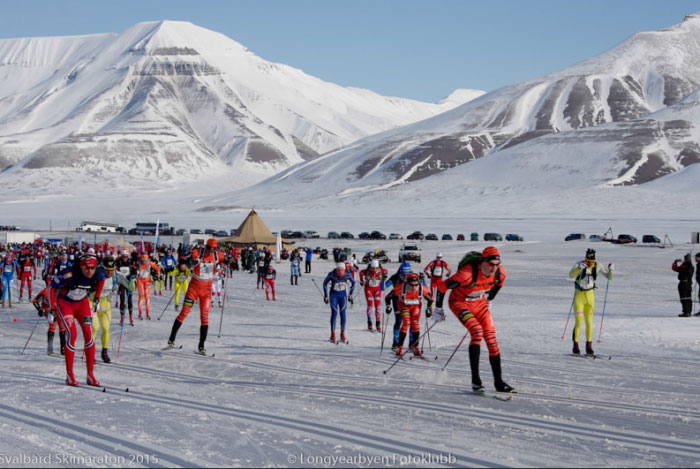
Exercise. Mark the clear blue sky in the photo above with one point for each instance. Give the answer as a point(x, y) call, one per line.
point(420, 49)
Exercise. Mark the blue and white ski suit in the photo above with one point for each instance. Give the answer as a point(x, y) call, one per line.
point(8, 273)
point(338, 297)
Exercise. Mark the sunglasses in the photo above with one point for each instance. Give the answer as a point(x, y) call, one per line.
point(493, 264)
point(89, 267)
point(415, 284)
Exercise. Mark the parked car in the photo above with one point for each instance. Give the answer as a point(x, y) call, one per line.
point(474, 237)
point(181, 232)
point(363, 235)
point(431, 237)
point(196, 231)
point(221, 234)
point(346, 235)
point(460, 237)
point(210, 231)
point(575, 237)
point(493, 237)
point(595, 238)
point(447, 237)
point(377, 235)
point(311, 234)
point(395, 236)
point(232, 231)
point(626, 239)
point(650, 239)
point(121, 229)
point(409, 252)
point(296, 234)
point(378, 254)
point(416, 235)
point(333, 235)
point(284, 233)
point(513, 237)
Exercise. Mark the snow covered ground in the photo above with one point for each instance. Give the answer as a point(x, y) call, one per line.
point(278, 394)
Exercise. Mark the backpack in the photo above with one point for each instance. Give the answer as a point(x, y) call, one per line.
point(473, 258)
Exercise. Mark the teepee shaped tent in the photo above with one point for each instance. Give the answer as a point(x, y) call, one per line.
point(252, 232)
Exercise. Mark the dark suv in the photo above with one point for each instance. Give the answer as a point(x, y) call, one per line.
point(650, 239)
point(447, 237)
point(575, 237)
point(431, 237)
point(626, 239)
point(493, 237)
point(416, 235)
point(363, 235)
point(377, 235)
point(346, 235)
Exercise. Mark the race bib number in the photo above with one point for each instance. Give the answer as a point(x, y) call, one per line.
point(411, 301)
point(206, 270)
point(182, 278)
point(169, 263)
point(339, 286)
point(8, 268)
point(374, 282)
point(144, 273)
point(27, 268)
point(437, 272)
point(77, 294)
point(124, 270)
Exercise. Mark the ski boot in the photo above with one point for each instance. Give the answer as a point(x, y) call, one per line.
point(398, 351)
point(369, 325)
point(176, 307)
point(131, 320)
point(682, 315)
point(502, 386)
point(477, 386)
point(589, 348)
point(105, 356)
point(379, 326)
point(342, 337)
point(70, 379)
point(91, 380)
point(576, 350)
point(394, 346)
point(416, 351)
point(332, 339)
point(201, 351)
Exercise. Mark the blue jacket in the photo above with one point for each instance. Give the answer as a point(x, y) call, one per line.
point(338, 284)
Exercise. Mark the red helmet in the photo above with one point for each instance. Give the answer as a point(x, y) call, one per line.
point(212, 243)
point(88, 261)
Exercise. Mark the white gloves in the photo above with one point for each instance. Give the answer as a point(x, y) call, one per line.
point(438, 314)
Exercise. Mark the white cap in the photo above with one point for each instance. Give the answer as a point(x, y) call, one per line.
point(439, 254)
point(91, 251)
point(374, 263)
point(341, 265)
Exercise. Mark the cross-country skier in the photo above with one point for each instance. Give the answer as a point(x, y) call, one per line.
point(143, 282)
point(371, 279)
point(409, 296)
point(398, 278)
point(294, 265)
point(339, 296)
point(202, 262)
point(436, 270)
point(586, 272)
point(219, 282)
point(182, 280)
point(103, 308)
point(69, 292)
point(127, 270)
point(270, 276)
point(168, 265)
point(43, 306)
point(469, 302)
point(9, 266)
point(25, 267)
point(685, 283)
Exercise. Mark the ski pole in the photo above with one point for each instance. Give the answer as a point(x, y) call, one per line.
point(401, 356)
point(223, 305)
point(455, 351)
point(317, 287)
point(166, 307)
point(121, 332)
point(605, 301)
point(30, 336)
point(383, 333)
point(583, 271)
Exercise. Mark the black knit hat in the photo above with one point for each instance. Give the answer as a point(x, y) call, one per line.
point(590, 254)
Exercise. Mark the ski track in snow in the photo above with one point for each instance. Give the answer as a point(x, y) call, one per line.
point(277, 390)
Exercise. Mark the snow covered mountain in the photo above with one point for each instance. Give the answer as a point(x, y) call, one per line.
point(619, 118)
point(167, 101)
